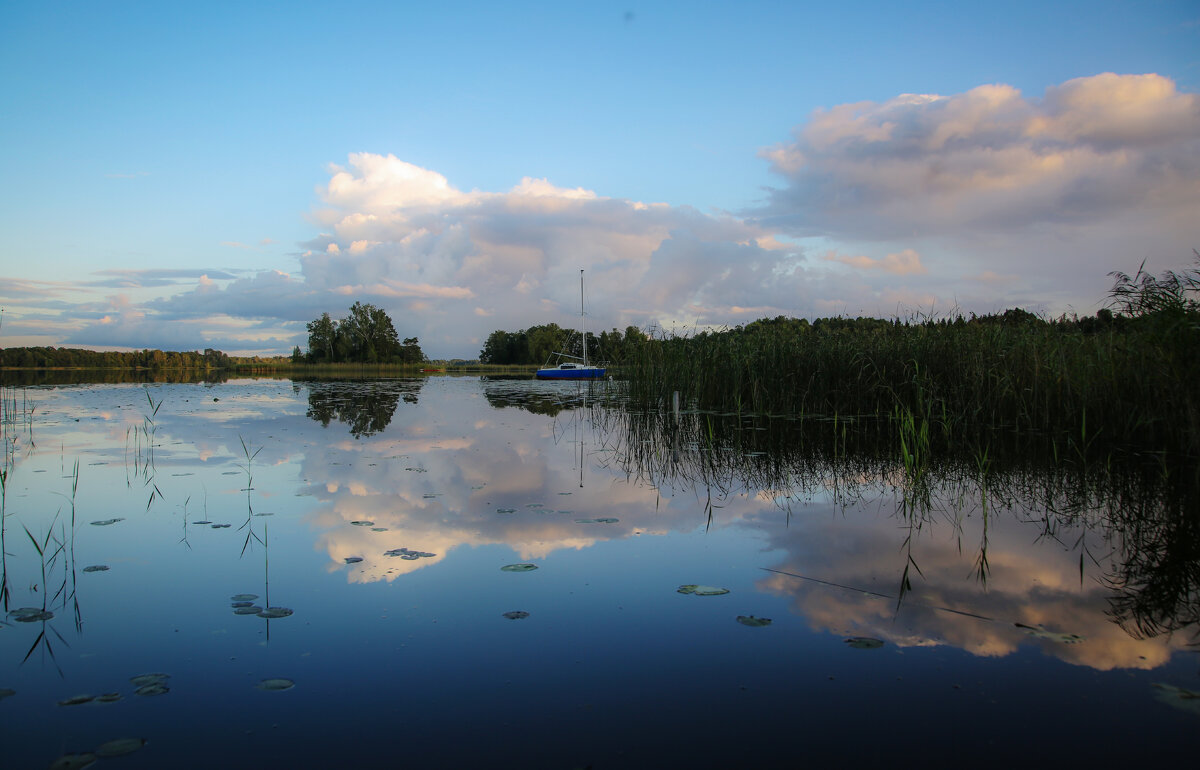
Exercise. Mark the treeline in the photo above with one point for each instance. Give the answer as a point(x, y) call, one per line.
point(365, 336)
point(534, 346)
point(76, 358)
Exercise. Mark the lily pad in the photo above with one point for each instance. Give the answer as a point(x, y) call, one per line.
point(606, 520)
point(353, 559)
point(106, 522)
point(243, 597)
point(1041, 633)
point(275, 612)
point(141, 680)
point(275, 685)
point(523, 567)
point(109, 697)
point(96, 568)
point(198, 523)
point(77, 700)
point(221, 526)
point(150, 690)
point(6, 693)
point(74, 761)
point(235, 605)
point(516, 615)
point(248, 609)
point(506, 510)
point(702, 590)
point(409, 554)
point(363, 523)
point(30, 615)
point(379, 529)
point(753, 622)
point(120, 747)
point(1179, 697)
point(864, 643)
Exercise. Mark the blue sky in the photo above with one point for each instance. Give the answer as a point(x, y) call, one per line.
point(210, 175)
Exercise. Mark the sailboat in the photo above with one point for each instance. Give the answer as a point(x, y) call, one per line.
point(577, 368)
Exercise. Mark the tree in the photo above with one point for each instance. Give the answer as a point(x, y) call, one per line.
point(322, 339)
point(367, 335)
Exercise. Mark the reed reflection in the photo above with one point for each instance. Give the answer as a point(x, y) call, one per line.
point(987, 549)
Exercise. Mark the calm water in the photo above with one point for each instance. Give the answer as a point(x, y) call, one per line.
point(411, 660)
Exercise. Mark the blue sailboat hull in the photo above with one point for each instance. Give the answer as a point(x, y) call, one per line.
point(571, 372)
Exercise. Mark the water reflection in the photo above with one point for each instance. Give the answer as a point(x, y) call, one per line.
point(1048, 542)
point(366, 406)
point(547, 397)
point(387, 527)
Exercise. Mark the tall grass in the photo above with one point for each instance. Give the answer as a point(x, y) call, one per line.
point(1129, 379)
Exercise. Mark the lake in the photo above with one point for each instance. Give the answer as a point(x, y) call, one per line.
point(470, 572)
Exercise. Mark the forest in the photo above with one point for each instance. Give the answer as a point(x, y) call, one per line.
point(76, 358)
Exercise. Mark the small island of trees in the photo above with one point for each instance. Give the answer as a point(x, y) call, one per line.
point(366, 336)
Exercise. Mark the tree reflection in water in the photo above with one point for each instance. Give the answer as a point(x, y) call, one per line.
point(366, 406)
point(1146, 513)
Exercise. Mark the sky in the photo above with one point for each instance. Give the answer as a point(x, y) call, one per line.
point(188, 175)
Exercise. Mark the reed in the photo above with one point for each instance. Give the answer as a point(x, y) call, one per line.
point(1085, 386)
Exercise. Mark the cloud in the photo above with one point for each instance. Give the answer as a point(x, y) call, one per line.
point(990, 160)
point(973, 202)
point(907, 262)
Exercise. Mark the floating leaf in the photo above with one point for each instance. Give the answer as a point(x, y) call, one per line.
point(753, 622)
point(379, 529)
point(607, 520)
point(516, 615)
point(120, 747)
point(108, 697)
point(6, 693)
point(243, 597)
point(150, 690)
point(275, 685)
point(76, 700)
point(408, 554)
point(1179, 697)
point(1041, 633)
point(141, 680)
point(523, 567)
point(235, 605)
point(585, 521)
point(702, 590)
point(197, 523)
point(363, 523)
point(864, 643)
point(275, 612)
point(221, 526)
point(74, 761)
point(249, 609)
point(105, 522)
point(30, 615)
point(96, 568)
point(353, 559)
point(506, 510)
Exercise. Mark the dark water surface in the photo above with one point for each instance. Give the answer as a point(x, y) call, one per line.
point(409, 659)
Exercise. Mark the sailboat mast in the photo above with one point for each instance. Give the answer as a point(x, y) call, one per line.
point(582, 318)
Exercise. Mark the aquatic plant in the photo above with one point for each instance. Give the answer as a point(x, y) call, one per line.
point(1087, 387)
